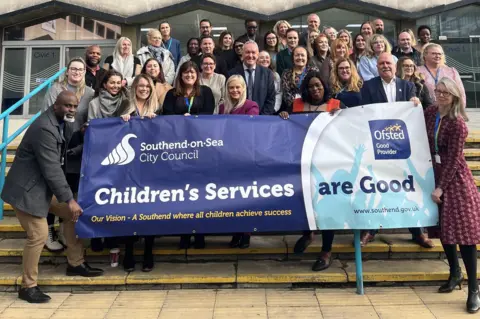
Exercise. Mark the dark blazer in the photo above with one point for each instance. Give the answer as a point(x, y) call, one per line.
point(258, 40)
point(263, 87)
point(415, 55)
point(284, 61)
point(373, 91)
point(36, 173)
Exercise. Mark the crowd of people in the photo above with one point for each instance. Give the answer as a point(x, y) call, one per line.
point(284, 72)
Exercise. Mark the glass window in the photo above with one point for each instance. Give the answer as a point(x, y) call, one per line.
point(14, 78)
point(110, 34)
point(69, 28)
point(45, 63)
point(186, 25)
point(344, 19)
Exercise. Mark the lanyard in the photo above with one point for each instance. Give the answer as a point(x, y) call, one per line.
point(301, 77)
point(438, 122)
point(189, 103)
point(435, 78)
point(169, 44)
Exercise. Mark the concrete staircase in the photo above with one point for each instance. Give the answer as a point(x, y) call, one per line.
point(392, 259)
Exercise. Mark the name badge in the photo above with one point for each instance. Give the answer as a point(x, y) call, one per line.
point(437, 159)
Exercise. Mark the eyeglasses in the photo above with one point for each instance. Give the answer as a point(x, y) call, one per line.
point(436, 53)
point(442, 93)
point(253, 27)
point(238, 46)
point(347, 68)
point(409, 66)
point(75, 70)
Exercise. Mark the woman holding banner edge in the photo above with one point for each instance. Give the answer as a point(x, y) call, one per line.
point(455, 192)
point(315, 98)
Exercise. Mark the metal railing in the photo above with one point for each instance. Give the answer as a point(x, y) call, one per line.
point(5, 116)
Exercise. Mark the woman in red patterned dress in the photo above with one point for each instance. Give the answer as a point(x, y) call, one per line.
point(455, 191)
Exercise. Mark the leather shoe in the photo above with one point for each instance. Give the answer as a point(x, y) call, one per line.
point(244, 242)
point(33, 295)
point(323, 262)
point(366, 238)
point(84, 270)
point(424, 241)
point(473, 301)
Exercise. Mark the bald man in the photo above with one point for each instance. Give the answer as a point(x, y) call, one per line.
point(94, 73)
point(36, 174)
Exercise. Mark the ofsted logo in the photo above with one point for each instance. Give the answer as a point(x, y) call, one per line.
point(390, 139)
point(122, 154)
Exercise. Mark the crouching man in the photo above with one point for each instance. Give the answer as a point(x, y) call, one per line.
point(38, 173)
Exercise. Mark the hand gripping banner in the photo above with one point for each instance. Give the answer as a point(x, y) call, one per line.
point(365, 167)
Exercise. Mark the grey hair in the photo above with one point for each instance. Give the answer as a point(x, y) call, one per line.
point(251, 42)
point(457, 108)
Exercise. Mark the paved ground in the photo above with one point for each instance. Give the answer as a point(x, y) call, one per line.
point(401, 302)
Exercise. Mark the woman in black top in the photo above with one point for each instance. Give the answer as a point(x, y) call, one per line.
point(188, 96)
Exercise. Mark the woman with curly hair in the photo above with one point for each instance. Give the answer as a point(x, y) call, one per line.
point(346, 83)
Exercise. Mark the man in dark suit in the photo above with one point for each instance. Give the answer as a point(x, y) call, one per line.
point(37, 174)
point(386, 88)
point(259, 80)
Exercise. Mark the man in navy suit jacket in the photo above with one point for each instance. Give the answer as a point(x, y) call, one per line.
point(263, 90)
point(386, 88)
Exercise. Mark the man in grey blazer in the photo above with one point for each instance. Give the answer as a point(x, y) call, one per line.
point(38, 173)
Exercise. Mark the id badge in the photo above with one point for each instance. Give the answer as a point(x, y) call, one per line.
point(437, 159)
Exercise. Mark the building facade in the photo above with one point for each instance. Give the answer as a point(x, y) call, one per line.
point(40, 36)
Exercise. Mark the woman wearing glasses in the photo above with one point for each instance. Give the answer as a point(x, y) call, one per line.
point(73, 81)
point(435, 69)
point(215, 81)
point(455, 192)
point(407, 70)
point(376, 45)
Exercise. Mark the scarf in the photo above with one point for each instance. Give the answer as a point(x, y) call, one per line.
point(124, 66)
point(157, 52)
point(106, 105)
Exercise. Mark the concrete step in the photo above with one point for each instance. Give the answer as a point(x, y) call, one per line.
point(267, 247)
point(237, 274)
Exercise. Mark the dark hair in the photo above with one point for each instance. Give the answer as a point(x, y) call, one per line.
point(161, 77)
point(163, 22)
point(247, 21)
point(107, 77)
point(291, 30)
point(304, 87)
point(180, 86)
point(355, 52)
point(293, 54)
point(423, 27)
point(222, 35)
point(206, 20)
point(239, 40)
point(265, 40)
point(193, 39)
point(208, 55)
point(207, 37)
point(367, 22)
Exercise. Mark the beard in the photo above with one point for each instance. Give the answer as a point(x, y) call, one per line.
point(69, 119)
point(379, 31)
point(92, 64)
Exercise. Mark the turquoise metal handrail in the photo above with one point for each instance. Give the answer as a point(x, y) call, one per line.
point(5, 116)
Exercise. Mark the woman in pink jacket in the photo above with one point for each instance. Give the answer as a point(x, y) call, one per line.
point(236, 100)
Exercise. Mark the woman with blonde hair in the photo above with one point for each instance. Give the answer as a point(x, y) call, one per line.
point(155, 50)
point(346, 83)
point(376, 45)
point(407, 70)
point(143, 99)
point(434, 68)
point(236, 101)
point(344, 35)
point(122, 60)
point(455, 192)
point(338, 49)
point(280, 28)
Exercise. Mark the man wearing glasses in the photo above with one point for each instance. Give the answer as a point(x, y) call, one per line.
point(251, 26)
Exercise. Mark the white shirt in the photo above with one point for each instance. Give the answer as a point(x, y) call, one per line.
point(245, 68)
point(390, 90)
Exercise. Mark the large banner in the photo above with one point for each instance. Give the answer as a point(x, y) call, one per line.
point(362, 168)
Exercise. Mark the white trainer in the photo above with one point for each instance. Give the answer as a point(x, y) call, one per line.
point(52, 244)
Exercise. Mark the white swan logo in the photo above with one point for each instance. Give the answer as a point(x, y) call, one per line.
point(122, 154)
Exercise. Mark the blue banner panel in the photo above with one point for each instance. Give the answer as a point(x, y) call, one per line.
point(186, 175)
